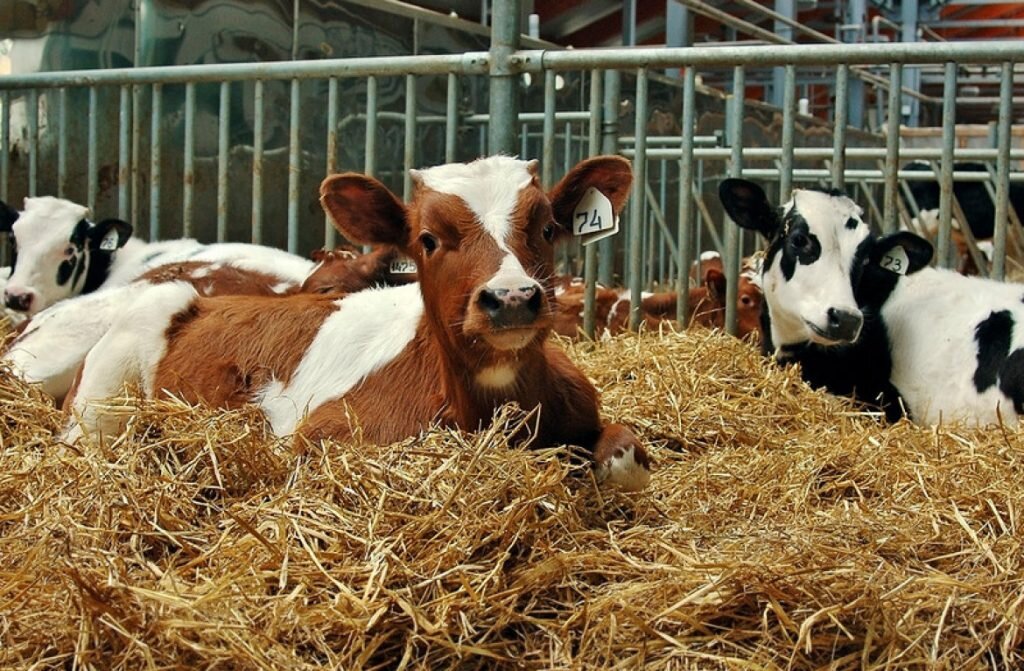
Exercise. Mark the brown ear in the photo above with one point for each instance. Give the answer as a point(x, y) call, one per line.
point(318, 255)
point(611, 175)
point(714, 280)
point(363, 210)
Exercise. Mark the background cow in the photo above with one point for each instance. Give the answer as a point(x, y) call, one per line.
point(387, 363)
point(61, 253)
point(942, 346)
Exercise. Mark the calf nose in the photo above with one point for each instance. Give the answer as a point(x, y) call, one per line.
point(18, 300)
point(844, 325)
point(511, 307)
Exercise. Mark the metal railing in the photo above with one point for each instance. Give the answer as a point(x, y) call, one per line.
point(685, 160)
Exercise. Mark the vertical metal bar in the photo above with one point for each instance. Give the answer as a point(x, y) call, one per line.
point(33, 141)
point(5, 146)
point(93, 150)
point(154, 165)
point(409, 160)
point(638, 209)
point(662, 202)
point(1002, 170)
point(524, 141)
point(731, 255)
point(788, 124)
point(189, 178)
point(609, 145)
point(842, 89)
point(569, 245)
point(946, 170)
point(256, 233)
point(330, 234)
point(223, 139)
point(62, 143)
point(504, 101)
point(123, 151)
point(136, 150)
point(294, 169)
point(590, 258)
point(370, 153)
point(548, 145)
point(890, 223)
point(451, 125)
point(686, 221)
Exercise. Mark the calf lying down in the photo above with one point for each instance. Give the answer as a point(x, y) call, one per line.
point(390, 362)
point(866, 316)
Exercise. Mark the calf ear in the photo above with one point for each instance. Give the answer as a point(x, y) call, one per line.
point(611, 175)
point(748, 206)
point(714, 280)
point(918, 250)
point(8, 215)
point(318, 255)
point(364, 211)
point(109, 235)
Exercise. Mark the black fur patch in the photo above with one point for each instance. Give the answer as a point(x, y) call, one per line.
point(1011, 380)
point(96, 270)
point(64, 270)
point(993, 338)
point(799, 245)
point(80, 234)
point(852, 223)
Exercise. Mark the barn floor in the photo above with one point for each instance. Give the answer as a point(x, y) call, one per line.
point(783, 529)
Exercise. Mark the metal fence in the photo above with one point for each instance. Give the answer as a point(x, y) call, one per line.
point(142, 161)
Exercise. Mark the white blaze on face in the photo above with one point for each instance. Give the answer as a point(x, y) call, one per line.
point(821, 281)
point(490, 188)
point(43, 234)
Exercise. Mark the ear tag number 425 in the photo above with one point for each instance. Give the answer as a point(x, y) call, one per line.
point(593, 219)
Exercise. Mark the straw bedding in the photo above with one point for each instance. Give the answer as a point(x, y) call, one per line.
point(783, 529)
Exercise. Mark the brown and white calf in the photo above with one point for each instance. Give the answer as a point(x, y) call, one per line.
point(387, 363)
point(342, 271)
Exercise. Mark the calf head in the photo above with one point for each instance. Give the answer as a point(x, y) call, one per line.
point(817, 245)
point(482, 236)
point(59, 253)
point(344, 271)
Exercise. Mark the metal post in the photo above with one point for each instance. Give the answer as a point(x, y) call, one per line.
point(1002, 171)
point(684, 233)
point(839, 127)
point(547, 161)
point(590, 258)
point(731, 253)
point(410, 134)
point(912, 76)
point(370, 151)
point(504, 99)
point(330, 234)
point(638, 208)
point(678, 29)
point(223, 126)
point(62, 143)
point(294, 166)
point(857, 13)
point(780, 74)
point(946, 171)
point(256, 234)
point(92, 178)
point(451, 126)
point(788, 124)
point(33, 140)
point(892, 154)
point(188, 180)
point(609, 145)
point(123, 149)
point(155, 162)
point(5, 146)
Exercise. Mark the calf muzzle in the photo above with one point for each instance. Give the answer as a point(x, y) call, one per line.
point(843, 325)
point(18, 300)
point(511, 307)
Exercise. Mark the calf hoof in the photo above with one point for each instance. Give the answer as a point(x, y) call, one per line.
point(620, 459)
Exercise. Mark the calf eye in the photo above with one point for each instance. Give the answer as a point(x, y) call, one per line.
point(429, 243)
point(549, 232)
point(745, 301)
point(799, 241)
point(69, 251)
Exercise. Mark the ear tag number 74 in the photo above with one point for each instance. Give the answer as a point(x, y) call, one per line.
point(593, 219)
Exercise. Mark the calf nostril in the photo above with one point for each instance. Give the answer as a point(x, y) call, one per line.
point(833, 318)
point(534, 301)
point(489, 300)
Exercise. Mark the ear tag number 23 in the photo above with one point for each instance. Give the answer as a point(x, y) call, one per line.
point(896, 261)
point(593, 219)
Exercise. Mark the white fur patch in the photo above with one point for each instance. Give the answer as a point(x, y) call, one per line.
point(496, 377)
point(931, 318)
point(625, 472)
point(489, 186)
point(368, 331)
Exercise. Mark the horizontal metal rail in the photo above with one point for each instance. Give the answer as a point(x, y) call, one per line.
point(921, 154)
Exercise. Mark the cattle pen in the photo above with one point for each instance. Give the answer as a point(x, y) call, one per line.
point(784, 528)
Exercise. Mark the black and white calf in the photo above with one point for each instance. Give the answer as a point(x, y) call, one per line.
point(60, 253)
point(941, 346)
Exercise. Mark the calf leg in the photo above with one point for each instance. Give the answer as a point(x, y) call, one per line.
point(128, 353)
point(620, 459)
